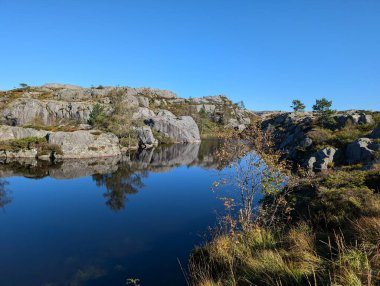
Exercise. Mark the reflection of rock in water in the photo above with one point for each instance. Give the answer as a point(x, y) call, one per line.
point(83, 168)
point(66, 169)
point(158, 159)
point(166, 157)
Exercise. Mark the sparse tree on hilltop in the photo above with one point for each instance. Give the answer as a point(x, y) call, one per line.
point(23, 85)
point(298, 106)
point(323, 109)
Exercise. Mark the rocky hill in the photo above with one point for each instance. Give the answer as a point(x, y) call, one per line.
point(66, 121)
point(353, 138)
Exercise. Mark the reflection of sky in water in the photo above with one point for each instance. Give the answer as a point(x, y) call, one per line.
point(56, 231)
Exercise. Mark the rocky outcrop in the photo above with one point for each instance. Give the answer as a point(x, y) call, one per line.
point(181, 129)
point(353, 118)
point(295, 132)
point(322, 159)
point(85, 144)
point(49, 112)
point(145, 136)
point(362, 150)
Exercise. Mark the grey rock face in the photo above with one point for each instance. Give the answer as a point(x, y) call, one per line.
point(86, 144)
point(11, 132)
point(322, 159)
point(143, 101)
point(376, 132)
point(353, 118)
point(180, 129)
point(28, 111)
point(32, 153)
point(145, 136)
point(60, 86)
point(209, 108)
point(361, 150)
point(143, 113)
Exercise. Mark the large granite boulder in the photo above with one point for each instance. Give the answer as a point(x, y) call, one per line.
point(85, 144)
point(322, 159)
point(181, 129)
point(362, 150)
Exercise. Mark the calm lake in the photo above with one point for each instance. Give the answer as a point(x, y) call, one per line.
point(100, 222)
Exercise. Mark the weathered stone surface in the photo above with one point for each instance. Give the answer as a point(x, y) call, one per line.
point(208, 108)
point(85, 144)
point(322, 159)
point(143, 101)
point(49, 112)
point(60, 86)
point(145, 136)
point(353, 118)
point(143, 113)
point(11, 132)
point(216, 99)
point(376, 132)
point(361, 150)
point(180, 129)
point(32, 153)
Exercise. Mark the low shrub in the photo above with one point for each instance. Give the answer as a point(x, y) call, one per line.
point(16, 145)
point(162, 139)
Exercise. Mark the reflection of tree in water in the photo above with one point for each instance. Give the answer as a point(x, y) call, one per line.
point(4, 193)
point(125, 181)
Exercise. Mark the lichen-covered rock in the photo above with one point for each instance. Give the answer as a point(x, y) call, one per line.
point(181, 129)
point(12, 132)
point(145, 136)
point(354, 118)
point(322, 159)
point(142, 113)
point(29, 153)
point(49, 112)
point(60, 86)
point(143, 101)
point(85, 144)
point(362, 150)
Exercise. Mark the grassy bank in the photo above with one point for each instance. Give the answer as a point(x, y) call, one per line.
point(321, 229)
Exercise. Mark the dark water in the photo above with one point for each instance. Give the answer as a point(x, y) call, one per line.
point(100, 222)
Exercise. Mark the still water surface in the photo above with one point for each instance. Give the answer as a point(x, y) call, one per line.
point(100, 222)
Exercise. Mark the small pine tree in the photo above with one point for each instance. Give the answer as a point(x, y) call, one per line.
point(24, 85)
point(323, 109)
point(96, 115)
point(241, 105)
point(298, 106)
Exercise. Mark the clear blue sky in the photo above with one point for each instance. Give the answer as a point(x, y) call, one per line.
point(265, 52)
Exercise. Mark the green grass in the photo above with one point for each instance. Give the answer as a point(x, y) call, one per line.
point(333, 238)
